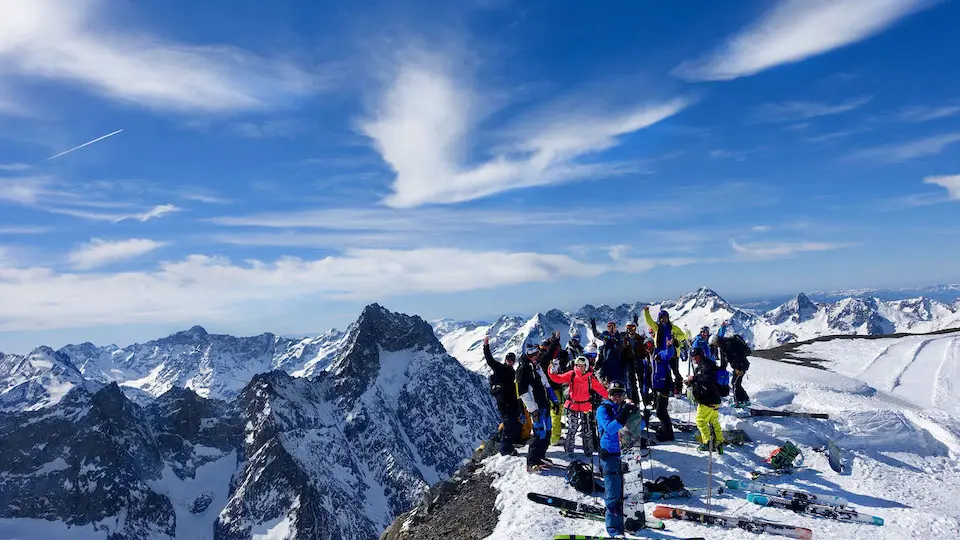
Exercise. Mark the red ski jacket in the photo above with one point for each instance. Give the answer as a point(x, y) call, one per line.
point(579, 395)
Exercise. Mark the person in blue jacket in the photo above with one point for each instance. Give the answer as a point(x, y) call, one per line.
point(612, 415)
point(702, 341)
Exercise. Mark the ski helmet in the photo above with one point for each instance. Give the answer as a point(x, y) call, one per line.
point(697, 352)
point(575, 336)
point(510, 357)
point(714, 339)
point(663, 313)
point(616, 387)
point(631, 323)
point(581, 361)
point(531, 348)
point(590, 350)
point(705, 329)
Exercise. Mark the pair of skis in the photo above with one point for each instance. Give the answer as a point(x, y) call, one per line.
point(733, 522)
point(766, 489)
point(595, 537)
point(822, 510)
point(570, 508)
point(771, 412)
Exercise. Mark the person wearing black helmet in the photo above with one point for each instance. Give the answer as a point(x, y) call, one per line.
point(504, 389)
point(632, 359)
point(535, 393)
point(705, 391)
point(612, 415)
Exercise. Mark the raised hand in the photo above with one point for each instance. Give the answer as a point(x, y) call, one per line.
point(486, 340)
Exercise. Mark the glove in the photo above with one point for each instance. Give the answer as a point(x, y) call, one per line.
point(552, 395)
point(556, 408)
point(625, 411)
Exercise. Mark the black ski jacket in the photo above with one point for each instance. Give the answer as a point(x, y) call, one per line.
point(503, 384)
point(705, 383)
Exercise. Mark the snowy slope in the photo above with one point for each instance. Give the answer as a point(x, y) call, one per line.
point(797, 319)
point(39, 379)
point(900, 434)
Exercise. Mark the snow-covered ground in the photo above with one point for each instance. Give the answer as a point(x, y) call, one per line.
point(893, 406)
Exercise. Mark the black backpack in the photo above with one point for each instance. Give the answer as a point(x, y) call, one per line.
point(664, 484)
point(580, 476)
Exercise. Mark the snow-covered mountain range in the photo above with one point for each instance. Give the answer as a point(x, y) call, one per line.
point(328, 437)
point(797, 319)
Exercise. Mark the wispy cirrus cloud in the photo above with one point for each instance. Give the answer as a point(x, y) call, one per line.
point(72, 42)
point(773, 250)
point(13, 167)
point(950, 183)
point(47, 194)
point(894, 153)
point(427, 114)
point(24, 229)
point(926, 113)
point(793, 30)
point(793, 111)
point(98, 252)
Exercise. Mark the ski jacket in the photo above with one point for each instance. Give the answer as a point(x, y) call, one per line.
point(532, 384)
point(573, 350)
point(633, 352)
point(704, 345)
point(660, 376)
point(705, 383)
point(609, 360)
point(735, 350)
point(608, 427)
point(660, 332)
point(578, 398)
point(503, 377)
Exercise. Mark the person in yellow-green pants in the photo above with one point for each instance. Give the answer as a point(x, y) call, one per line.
point(703, 382)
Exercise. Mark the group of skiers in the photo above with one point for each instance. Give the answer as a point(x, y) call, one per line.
point(601, 389)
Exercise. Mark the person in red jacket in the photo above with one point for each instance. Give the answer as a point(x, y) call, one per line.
point(579, 410)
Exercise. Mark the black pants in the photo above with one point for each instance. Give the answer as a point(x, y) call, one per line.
point(633, 384)
point(661, 399)
point(511, 430)
point(677, 379)
point(739, 394)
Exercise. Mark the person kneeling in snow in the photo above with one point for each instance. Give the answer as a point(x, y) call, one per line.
point(704, 384)
point(579, 411)
point(612, 415)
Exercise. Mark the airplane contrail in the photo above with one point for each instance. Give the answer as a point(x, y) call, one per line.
point(84, 144)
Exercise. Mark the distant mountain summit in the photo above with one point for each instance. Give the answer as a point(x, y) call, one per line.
point(374, 416)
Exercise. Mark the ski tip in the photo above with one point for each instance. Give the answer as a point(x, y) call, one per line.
point(734, 484)
point(877, 520)
point(758, 499)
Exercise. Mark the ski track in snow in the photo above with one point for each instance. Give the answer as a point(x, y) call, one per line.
point(900, 457)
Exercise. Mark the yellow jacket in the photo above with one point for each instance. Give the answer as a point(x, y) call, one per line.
point(678, 336)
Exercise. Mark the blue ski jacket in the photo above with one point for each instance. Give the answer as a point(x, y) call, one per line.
point(608, 426)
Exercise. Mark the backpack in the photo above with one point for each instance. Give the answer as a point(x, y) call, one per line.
point(723, 382)
point(580, 476)
point(664, 484)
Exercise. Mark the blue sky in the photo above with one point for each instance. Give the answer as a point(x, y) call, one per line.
point(280, 165)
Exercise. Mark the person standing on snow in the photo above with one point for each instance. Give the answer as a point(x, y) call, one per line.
point(702, 341)
point(632, 359)
point(612, 415)
point(704, 383)
point(735, 350)
point(504, 388)
point(535, 392)
point(610, 367)
point(579, 410)
point(667, 335)
point(574, 348)
point(559, 360)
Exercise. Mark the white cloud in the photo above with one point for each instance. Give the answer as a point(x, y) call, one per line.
point(773, 250)
point(13, 167)
point(46, 194)
point(24, 229)
point(926, 114)
point(202, 287)
point(929, 146)
point(98, 253)
point(794, 30)
point(71, 41)
point(792, 111)
point(116, 217)
point(951, 183)
point(761, 228)
point(426, 115)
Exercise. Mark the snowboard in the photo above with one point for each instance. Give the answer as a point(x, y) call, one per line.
point(770, 412)
point(746, 485)
point(633, 431)
point(839, 514)
point(733, 522)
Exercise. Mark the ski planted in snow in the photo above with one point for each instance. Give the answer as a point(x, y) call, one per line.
point(733, 522)
point(822, 510)
point(766, 489)
point(770, 412)
point(834, 456)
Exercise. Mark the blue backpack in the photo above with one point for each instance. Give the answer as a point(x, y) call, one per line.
point(723, 382)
